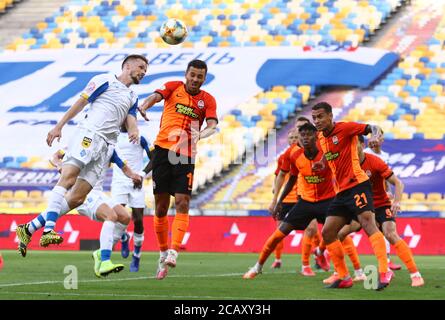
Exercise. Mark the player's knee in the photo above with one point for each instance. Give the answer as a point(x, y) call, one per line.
point(161, 210)
point(310, 231)
point(182, 205)
point(111, 216)
point(328, 235)
point(124, 218)
point(392, 236)
point(75, 201)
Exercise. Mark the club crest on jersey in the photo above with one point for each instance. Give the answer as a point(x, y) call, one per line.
point(86, 142)
point(335, 139)
point(200, 104)
point(368, 173)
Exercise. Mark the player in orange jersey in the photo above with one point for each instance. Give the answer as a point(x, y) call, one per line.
point(289, 201)
point(353, 191)
point(186, 107)
point(315, 190)
point(385, 212)
point(311, 233)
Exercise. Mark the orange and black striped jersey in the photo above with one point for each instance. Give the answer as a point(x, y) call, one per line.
point(182, 111)
point(292, 196)
point(377, 171)
point(340, 151)
point(313, 185)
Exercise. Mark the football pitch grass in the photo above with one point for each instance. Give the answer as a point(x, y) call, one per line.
point(201, 276)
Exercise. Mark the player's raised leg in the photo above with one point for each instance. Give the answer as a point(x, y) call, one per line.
point(162, 202)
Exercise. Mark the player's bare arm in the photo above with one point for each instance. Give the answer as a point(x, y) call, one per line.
point(209, 130)
point(287, 188)
point(132, 128)
point(137, 179)
point(279, 181)
point(148, 103)
point(398, 192)
point(376, 132)
point(73, 111)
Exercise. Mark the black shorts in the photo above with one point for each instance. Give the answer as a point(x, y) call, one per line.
point(384, 214)
point(304, 212)
point(352, 202)
point(172, 173)
point(286, 207)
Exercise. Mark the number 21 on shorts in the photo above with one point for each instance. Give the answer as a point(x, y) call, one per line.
point(360, 200)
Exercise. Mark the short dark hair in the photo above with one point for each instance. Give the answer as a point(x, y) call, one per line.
point(301, 118)
point(132, 57)
point(361, 139)
point(323, 105)
point(307, 127)
point(198, 64)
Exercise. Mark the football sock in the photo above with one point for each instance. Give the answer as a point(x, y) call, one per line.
point(179, 228)
point(351, 251)
point(161, 230)
point(279, 250)
point(337, 255)
point(138, 239)
point(378, 245)
point(270, 245)
point(405, 254)
point(106, 240)
point(306, 246)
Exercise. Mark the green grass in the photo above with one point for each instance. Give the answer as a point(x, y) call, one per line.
point(213, 276)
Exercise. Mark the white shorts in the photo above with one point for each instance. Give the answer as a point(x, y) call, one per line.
point(90, 153)
point(126, 194)
point(93, 201)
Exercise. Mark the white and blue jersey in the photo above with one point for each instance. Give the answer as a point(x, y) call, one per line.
point(111, 101)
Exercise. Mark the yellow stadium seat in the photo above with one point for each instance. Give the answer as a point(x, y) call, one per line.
point(6, 194)
point(418, 196)
point(21, 194)
point(434, 196)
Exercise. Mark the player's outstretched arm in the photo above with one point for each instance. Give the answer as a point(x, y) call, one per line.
point(398, 192)
point(209, 130)
point(137, 179)
point(73, 111)
point(148, 103)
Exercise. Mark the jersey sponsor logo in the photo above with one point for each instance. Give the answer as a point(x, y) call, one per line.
point(187, 111)
point(200, 104)
point(314, 179)
point(86, 142)
point(335, 139)
point(331, 156)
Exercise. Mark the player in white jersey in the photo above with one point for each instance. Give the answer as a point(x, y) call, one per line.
point(124, 193)
point(99, 207)
point(113, 103)
point(377, 151)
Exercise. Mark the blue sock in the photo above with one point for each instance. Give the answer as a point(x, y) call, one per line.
point(51, 219)
point(105, 255)
point(137, 251)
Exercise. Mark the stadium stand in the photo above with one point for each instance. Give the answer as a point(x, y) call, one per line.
point(414, 108)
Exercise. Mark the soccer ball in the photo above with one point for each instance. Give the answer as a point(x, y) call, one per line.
point(173, 31)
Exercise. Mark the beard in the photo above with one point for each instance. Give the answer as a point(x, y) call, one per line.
point(135, 79)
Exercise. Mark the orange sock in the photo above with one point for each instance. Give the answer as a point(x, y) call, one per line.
point(379, 246)
point(405, 254)
point(316, 239)
point(161, 230)
point(179, 228)
point(270, 245)
point(279, 250)
point(337, 255)
point(306, 246)
point(322, 245)
point(351, 251)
